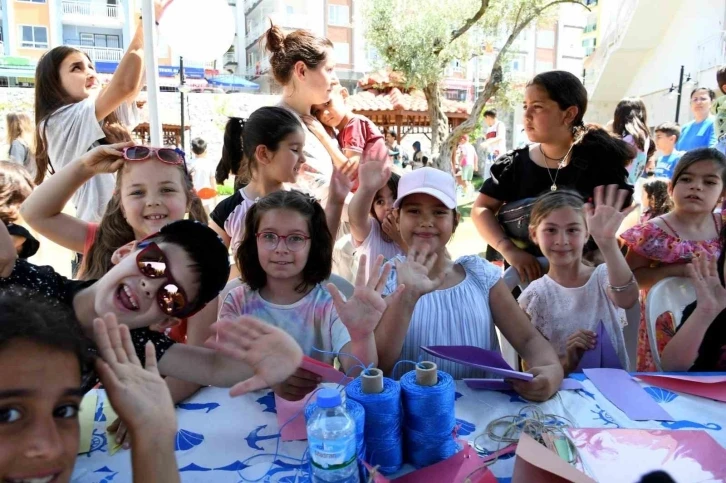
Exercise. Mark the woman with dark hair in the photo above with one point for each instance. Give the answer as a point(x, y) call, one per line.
point(564, 154)
point(699, 133)
point(304, 65)
point(630, 123)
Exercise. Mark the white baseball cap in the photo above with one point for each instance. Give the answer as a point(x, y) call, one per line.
point(429, 181)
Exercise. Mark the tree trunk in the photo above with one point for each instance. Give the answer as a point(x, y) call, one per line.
point(439, 126)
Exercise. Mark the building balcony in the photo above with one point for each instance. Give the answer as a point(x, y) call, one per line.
point(101, 54)
point(92, 14)
point(230, 58)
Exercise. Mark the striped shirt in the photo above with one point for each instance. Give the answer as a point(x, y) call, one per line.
point(458, 315)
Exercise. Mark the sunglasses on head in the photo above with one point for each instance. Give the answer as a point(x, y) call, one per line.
point(152, 263)
point(165, 155)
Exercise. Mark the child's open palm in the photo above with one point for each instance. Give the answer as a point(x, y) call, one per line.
point(105, 159)
point(710, 294)
point(272, 353)
point(139, 395)
point(364, 310)
point(413, 273)
point(373, 175)
point(605, 216)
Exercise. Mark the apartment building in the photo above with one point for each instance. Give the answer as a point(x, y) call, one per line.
point(334, 19)
point(101, 28)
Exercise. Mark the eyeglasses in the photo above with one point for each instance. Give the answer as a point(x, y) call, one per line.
point(270, 240)
point(165, 155)
point(152, 263)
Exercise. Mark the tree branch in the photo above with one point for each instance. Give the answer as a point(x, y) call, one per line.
point(496, 77)
point(467, 25)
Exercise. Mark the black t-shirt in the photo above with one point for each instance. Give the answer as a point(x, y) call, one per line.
point(712, 353)
point(225, 208)
point(514, 176)
point(27, 279)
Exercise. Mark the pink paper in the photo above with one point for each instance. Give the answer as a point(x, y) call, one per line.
point(712, 387)
point(502, 385)
point(621, 390)
point(625, 455)
point(294, 430)
point(603, 355)
point(326, 371)
point(464, 466)
point(535, 463)
point(472, 356)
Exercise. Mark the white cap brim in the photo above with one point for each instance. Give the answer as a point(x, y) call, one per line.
point(448, 201)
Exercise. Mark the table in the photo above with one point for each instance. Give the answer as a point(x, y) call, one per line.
point(223, 439)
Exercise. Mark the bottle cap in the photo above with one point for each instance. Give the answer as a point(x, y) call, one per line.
point(328, 398)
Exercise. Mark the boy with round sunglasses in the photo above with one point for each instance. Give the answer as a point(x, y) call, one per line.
point(154, 282)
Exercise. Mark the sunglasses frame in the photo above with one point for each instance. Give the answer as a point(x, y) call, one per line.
point(155, 151)
point(187, 309)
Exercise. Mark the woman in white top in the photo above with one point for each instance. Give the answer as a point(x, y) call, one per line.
point(20, 140)
point(568, 303)
point(74, 114)
point(447, 302)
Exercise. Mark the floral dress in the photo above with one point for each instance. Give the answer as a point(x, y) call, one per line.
point(651, 241)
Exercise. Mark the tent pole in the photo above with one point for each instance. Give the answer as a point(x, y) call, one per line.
point(152, 70)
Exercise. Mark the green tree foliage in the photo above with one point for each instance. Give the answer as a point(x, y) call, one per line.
point(419, 38)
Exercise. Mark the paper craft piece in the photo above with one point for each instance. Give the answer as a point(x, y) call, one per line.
point(295, 430)
point(712, 387)
point(625, 455)
point(502, 385)
point(326, 371)
point(603, 355)
point(472, 356)
point(86, 416)
point(534, 462)
point(464, 466)
point(622, 390)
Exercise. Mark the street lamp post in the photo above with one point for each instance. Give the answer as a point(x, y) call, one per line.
point(678, 92)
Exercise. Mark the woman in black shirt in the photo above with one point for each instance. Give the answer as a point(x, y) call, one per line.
point(564, 154)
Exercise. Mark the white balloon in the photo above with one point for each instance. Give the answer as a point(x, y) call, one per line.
point(198, 30)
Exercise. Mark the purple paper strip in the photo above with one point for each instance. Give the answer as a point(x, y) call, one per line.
point(476, 357)
point(502, 385)
point(622, 390)
point(602, 355)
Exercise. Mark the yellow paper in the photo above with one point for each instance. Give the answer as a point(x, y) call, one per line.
point(86, 417)
point(111, 416)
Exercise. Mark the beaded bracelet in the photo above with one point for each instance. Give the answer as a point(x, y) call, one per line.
point(625, 287)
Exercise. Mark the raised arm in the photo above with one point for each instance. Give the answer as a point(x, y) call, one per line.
point(142, 401)
point(339, 157)
point(43, 208)
point(603, 221)
point(128, 78)
point(340, 186)
point(373, 176)
point(648, 276)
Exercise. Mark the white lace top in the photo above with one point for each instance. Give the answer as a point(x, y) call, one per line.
point(557, 311)
point(458, 315)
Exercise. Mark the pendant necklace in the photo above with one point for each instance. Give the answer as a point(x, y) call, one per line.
point(560, 164)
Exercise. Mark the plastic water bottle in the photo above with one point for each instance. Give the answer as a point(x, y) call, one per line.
point(331, 438)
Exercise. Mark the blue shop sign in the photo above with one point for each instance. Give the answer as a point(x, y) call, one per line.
point(164, 70)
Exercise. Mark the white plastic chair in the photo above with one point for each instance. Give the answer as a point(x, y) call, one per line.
point(630, 334)
point(672, 295)
point(511, 278)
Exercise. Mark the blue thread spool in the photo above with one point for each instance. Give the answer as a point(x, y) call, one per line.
point(428, 398)
point(357, 412)
point(381, 400)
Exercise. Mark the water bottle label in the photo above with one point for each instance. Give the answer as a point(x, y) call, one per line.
point(332, 455)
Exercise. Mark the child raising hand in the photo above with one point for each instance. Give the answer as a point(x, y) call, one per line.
point(568, 303)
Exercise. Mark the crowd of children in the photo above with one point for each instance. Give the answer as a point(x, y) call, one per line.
point(155, 293)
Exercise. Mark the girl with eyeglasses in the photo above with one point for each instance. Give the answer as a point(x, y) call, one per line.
point(285, 255)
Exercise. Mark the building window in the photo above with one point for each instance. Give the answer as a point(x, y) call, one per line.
point(339, 15)
point(33, 37)
point(290, 10)
point(110, 41)
point(342, 52)
point(32, 1)
point(546, 39)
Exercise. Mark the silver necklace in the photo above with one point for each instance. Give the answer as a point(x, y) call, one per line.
point(560, 164)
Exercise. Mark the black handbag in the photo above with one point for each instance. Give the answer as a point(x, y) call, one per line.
point(514, 217)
